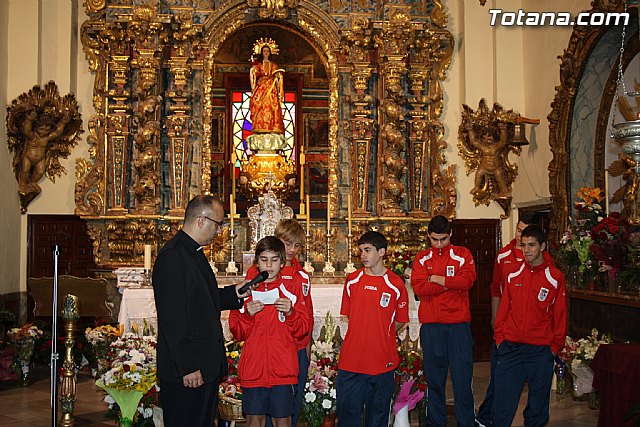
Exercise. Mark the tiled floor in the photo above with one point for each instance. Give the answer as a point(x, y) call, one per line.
point(30, 406)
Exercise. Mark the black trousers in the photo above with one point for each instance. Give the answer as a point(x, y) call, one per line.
point(188, 407)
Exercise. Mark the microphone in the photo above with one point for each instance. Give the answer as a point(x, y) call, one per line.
point(259, 278)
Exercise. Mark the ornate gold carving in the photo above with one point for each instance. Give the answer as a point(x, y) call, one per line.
point(437, 16)
point(92, 6)
point(265, 172)
point(484, 143)
point(89, 188)
point(270, 9)
point(42, 127)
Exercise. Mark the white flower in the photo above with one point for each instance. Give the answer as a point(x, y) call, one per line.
point(109, 399)
point(310, 397)
point(332, 393)
point(326, 403)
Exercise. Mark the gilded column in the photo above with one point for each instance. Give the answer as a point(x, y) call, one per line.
point(146, 30)
point(358, 44)
point(185, 45)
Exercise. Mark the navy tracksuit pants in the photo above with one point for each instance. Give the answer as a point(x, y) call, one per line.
point(485, 417)
point(448, 346)
point(356, 391)
point(516, 363)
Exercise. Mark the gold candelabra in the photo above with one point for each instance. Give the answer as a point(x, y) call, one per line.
point(349, 268)
point(307, 264)
point(70, 316)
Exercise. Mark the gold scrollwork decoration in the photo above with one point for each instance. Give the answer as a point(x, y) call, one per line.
point(273, 9)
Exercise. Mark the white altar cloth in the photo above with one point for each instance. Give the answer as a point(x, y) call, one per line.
point(138, 305)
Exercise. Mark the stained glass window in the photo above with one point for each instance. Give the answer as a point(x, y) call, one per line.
point(241, 123)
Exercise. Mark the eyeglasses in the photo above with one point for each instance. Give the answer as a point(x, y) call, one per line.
point(219, 223)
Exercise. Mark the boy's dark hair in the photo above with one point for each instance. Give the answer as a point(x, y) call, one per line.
point(536, 232)
point(270, 243)
point(375, 239)
point(440, 225)
point(529, 218)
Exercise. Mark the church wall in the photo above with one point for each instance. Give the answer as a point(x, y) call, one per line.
point(42, 45)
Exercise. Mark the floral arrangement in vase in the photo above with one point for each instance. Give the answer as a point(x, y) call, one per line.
point(24, 339)
point(586, 348)
point(319, 400)
point(131, 374)
point(411, 384)
point(99, 340)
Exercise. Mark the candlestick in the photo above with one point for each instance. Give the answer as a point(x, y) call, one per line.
point(606, 191)
point(328, 269)
point(231, 265)
point(147, 257)
point(349, 213)
point(233, 173)
point(307, 264)
point(232, 211)
point(349, 268)
point(308, 215)
point(302, 161)
point(328, 214)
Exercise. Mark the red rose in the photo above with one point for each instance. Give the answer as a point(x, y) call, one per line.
point(614, 229)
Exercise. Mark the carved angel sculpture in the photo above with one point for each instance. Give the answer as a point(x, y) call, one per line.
point(41, 128)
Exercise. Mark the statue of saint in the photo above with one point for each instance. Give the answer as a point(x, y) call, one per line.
point(267, 98)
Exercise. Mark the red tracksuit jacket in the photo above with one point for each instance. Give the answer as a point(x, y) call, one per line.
point(448, 304)
point(508, 257)
point(289, 272)
point(533, 308)
point(270, 353)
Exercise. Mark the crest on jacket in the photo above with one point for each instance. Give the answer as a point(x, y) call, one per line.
point(542, 295)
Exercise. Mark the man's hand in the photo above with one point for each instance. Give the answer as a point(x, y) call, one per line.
point(254, 307)
point(284, 305)
point(244, 295)
point(193, 380)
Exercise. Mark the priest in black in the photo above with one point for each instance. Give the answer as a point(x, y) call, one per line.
point(191, 353)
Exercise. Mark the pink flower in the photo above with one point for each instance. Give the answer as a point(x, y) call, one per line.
point(319, 383)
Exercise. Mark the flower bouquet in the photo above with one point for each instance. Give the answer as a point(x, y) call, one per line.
point(99, 340)
point(230, 391)
point(581, 359)
point(131, 374)
point(411, 385)
point(24, 339)
point(319, 400)
point(399, 260)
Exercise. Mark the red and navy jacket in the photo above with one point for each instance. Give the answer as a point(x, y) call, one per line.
point(449, 303)
point(270, 353)
point(289, 272)
point(533, 306)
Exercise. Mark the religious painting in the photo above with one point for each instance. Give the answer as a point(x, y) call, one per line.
point(318, 174)
point(316, 132)
point(217, 130)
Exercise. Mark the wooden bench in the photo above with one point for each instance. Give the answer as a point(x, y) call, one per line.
point(97, 298)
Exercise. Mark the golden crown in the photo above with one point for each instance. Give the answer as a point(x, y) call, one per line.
point(262, 42)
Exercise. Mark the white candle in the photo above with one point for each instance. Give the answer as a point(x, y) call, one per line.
point(302, 160)
point(349, 212)
point(232, 211)
point(233, 173)
point(328, 214)
point(606, 191)
point(308, 216)
point(147, 257)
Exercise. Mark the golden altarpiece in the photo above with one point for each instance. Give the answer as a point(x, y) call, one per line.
point(367, 86)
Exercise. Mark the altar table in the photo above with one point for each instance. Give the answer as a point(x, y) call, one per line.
point(138, 306)
point(616, 375)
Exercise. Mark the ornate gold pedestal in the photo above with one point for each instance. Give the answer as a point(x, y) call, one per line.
point(266, 171)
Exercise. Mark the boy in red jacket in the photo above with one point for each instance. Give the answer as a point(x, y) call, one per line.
point(375, 301)
point(293, 236)
point(530, 329)
point(271, 322)
point(441, 277)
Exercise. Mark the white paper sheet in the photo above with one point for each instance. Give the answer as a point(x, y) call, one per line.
point(268, 297)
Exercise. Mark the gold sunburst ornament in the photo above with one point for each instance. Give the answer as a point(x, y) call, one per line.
point(262, 42)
